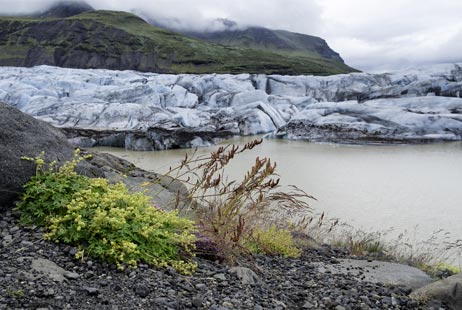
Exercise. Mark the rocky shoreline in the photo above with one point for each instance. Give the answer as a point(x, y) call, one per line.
point(37, 274)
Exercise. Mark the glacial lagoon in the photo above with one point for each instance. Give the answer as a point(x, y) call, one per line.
point(414, 188)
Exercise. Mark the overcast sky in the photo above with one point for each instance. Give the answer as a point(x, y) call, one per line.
point(369, 34)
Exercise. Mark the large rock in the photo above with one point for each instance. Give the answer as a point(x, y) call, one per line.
point(448, 290)
point(379, 272)
point(49, 269)
point(22, 135)
point(164, 190)
point(246, 276)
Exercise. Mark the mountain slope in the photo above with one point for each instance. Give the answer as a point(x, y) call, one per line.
point(228, 32)
point(279, 41)
point(119, 40)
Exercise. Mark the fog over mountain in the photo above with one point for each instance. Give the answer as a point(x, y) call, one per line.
point(369, 35)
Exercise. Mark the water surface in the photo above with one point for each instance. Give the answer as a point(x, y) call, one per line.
point(370, 187)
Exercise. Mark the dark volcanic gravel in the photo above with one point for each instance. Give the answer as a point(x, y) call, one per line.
point(283, 284)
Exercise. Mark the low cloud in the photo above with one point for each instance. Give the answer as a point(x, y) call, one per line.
point(442, 45)
point(295, 15)
point(391, 34)
point(23, 7)
point(369, 35)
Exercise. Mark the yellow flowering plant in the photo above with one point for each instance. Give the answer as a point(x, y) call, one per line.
point(273, 241)
point(105, 220)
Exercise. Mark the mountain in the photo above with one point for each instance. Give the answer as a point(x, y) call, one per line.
point(123, 41)
point(63, 9)
point(228, 32)
point(273, 40)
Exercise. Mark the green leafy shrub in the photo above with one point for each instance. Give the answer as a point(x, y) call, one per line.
point(273, 241)
point(50, 190)
point(105, 220)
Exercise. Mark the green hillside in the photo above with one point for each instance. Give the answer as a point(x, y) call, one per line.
point(277, 41)
point(119, 40)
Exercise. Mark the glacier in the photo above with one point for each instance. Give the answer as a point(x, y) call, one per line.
point(149, 111)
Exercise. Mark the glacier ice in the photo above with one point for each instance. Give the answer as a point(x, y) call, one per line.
point(134, 109)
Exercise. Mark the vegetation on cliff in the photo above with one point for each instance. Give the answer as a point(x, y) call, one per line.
point(120, 40)
point(281, 42)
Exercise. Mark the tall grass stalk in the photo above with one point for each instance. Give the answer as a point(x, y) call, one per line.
point(229, 212)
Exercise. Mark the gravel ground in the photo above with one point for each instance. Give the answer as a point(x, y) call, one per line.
point(279, 283)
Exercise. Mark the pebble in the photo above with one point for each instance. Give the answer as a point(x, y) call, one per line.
point(327, 301)
point(171, 292)
point(197, 302)
point(142, 290)
point(161, 301)
point(92, 291)
point(308, 305)
point(27, 243)
point(220, 277)
point(365, 299)
point(71, 275)
point(73, 251)
point(285, 283)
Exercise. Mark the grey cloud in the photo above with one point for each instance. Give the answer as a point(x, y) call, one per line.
point(295, 15)
point(23, 6)
point(391, 34)
point(437, 46)
point(369, 35)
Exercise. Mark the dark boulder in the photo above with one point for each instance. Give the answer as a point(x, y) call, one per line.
point(22, 135)
point(164, 190)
